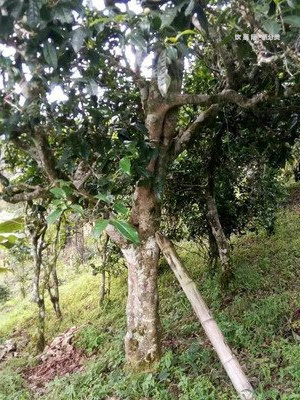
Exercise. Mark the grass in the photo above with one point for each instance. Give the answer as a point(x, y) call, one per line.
point(255, 319)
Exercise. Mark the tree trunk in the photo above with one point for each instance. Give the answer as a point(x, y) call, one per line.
point(38, 235)
point(221, 240)
point(103, 255)
point(40, 344)
point(54, 296)
point(143, 337)
point(79, 242)
point(23, 291)
point(213, 251)
point(108, 283)
point(142, 340)
point(213, 332)
point(102, 291)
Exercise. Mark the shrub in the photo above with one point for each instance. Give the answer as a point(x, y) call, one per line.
point(4, 294)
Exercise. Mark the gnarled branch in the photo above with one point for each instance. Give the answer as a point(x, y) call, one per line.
point(16, 194)
point(225, 97)
point(184, 137)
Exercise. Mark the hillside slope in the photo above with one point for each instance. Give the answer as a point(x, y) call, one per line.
point(255, 318)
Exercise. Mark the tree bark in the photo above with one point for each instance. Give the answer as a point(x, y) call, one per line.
point(40, 344)
point(54, 296)
point(219, 235)
point(143, 337)
point(213, 332)
point(213, 251)
point(23, 291)
point(103, 254)
point(102, 291)
point(142, 340)
point(38, 234)
point(79, 240)
point(54, 291)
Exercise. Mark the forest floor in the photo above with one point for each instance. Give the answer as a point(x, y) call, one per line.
point(256, 318)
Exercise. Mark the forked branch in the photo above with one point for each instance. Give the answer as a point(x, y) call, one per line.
point(182, 140)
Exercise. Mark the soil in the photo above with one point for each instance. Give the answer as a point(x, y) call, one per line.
point(60, 358)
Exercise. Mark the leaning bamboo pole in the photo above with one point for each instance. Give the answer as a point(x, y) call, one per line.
point(212, 330)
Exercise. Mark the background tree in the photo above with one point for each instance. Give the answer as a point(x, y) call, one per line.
point(229, 181)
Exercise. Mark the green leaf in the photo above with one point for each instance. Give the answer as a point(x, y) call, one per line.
point(63, 14)
point(190, 8)
point(8, 237)
point(172, 53)
point(102, 20)
point(54, 216)
point(8, 240)
point(6, 25)
point(293, 20)
point(93, 88)
point(125, 165)
point(3, 270)
point(120, 208)
point(292, 3)
point(12, 225)
point(50, 55)
point(7, 244)
point(99, 227)
point(59, 193)
point(271, 27)
point(104, 197)
point(138, 41)
point(33, 14)
point(126, 230)
point(78, 36)
point(168, 17)
point(145, 26)
point(163, 78)
point(63, 183)
point(57, 202)
point(185, 32)
point(272, 8)
point(15, 8)
point(76, 208)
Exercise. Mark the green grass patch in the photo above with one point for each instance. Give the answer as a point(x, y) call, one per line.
point(255, 319)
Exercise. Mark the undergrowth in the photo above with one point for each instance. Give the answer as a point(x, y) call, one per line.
point(254, 317)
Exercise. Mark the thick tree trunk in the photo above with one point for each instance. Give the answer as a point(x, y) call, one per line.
point(221, 240)
point(142, 341)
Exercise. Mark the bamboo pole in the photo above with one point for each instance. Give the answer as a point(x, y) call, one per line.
point(212, 330)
